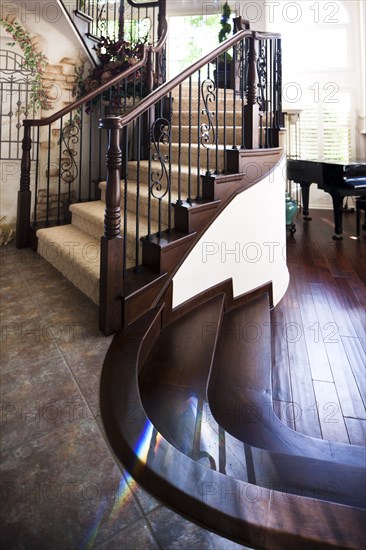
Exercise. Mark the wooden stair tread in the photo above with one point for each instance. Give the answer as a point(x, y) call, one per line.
point(158, 398)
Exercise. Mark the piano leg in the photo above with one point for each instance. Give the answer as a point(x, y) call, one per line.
point(337, 210)
point(305, 191)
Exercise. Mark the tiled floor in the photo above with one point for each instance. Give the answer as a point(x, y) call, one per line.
point(61, 487)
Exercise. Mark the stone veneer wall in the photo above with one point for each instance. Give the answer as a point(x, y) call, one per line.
point(65, 52)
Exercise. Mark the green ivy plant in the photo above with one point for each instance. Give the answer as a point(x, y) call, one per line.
point(225, 28)
point(34, 61)
point(225, 25)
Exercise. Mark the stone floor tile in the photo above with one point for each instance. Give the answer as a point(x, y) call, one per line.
point(138, 536)
point(64, 491)
point(36, 399)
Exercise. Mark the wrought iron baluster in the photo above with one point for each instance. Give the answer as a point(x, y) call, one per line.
point(242, 88)
point(225, 109)
point(36, 181)
point(59, 173)
point(81, 152)
point(189, 198)
point(207, 129)
point(233, 77)
point(179, 201)
point(217, 115)
point(90, 153)
point(150, 155)
point(48, 175)
point(138, 182)
point(160, 180)
point(199, 135)
point(125, 198)
point(170, 140)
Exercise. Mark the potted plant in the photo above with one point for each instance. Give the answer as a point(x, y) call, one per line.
point(115, 56)
point(225, 59)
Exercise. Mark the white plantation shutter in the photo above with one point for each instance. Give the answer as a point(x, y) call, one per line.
point(325, 129)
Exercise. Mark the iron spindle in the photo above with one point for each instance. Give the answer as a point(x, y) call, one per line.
point(81, 152)
point(125, 198)
point(217, 115)
point(36, 181)
point(138, 181)
point(199, 136)
point(48, 175)
point(170, 120)
point(189, 198)
point(59, 173)
point(179, 201)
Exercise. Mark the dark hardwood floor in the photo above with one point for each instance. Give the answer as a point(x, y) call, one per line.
point(319, 332)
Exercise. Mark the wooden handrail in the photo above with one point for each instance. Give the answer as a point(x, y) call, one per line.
point(91, 95)
point(168, 86)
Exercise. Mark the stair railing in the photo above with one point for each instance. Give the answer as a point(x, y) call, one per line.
point(117, 20)
point(65, 165)
point(224, 112)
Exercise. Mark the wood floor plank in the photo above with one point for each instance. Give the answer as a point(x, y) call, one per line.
point(339, 297)
point(318, 358)
point(281, 384)
point(356, 431)
point(330, 413)
point(357, 360)
point(300, 372)
point(334, 273)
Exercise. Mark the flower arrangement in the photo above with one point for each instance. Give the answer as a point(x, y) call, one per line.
point(35, 62)
point(114, 57)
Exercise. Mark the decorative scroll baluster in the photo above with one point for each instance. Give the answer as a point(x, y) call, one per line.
point(199, 136)
point(160, 182)
point(24, 193)
point(262, 99)
point(207, 129)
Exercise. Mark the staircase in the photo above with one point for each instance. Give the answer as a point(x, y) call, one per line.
point(74, 249)
point(186, 402)
point(174, 160)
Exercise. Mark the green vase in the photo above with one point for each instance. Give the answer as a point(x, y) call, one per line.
point(291, 209)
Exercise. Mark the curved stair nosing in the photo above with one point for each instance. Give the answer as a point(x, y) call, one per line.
point(269, 519)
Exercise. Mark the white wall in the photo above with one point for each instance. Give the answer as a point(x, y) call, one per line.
point(246, 242)
point(303, 65)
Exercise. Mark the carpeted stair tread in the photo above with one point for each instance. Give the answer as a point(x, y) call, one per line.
point(75, 254)
point(89, 217)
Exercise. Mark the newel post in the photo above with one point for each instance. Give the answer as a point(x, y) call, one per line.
point(111, 244)
point(24, 193)
point(251, 109)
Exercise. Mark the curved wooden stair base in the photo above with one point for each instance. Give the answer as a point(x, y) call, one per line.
point(186, 402)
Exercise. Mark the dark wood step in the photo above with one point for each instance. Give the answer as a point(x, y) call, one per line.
point(201, 479)
point(174, 377)
point(162, 253)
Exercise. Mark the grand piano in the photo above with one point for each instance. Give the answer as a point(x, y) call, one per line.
point(336, 178)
